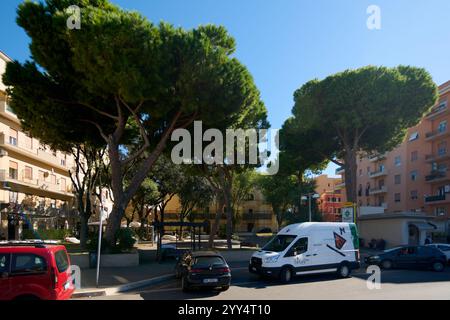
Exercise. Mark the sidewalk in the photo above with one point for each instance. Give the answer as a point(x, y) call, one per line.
point(115, 280)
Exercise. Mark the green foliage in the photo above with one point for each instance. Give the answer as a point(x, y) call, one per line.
point(126, 239)
point(42, 234)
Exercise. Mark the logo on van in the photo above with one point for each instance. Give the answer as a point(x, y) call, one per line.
point(339, 241)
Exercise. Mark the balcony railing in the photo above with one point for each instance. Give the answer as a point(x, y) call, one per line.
point(378, 173)
point(435, 198)
point(377, 157)
point(378, 190)
point(435, 134)
point(436, 175)
point(25, 179)
point(437, 157)
point(437, 111)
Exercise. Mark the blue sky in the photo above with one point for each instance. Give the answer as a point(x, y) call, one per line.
point(285, 43)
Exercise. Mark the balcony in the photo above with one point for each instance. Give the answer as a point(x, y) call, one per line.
point(437, 157)
point(377, 157)
point(340, 170)
point(436, 176)
point(379, 173)
point(378, 191)
point(17, 145)
point(340, 186)
point(436, 134)
point(436, 200)
point(23, 183)
point(436, 112)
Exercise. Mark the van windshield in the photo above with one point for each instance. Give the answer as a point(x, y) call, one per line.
point(279, 243)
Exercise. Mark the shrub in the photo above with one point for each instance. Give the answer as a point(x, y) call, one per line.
point(50, 234)
point(126, 239)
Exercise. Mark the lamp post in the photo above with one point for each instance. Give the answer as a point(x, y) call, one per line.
point(310, 196)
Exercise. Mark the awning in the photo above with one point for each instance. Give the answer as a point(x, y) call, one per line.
point(422, 226)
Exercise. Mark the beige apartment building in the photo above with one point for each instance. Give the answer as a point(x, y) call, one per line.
point(35, 185)
point(404, 195)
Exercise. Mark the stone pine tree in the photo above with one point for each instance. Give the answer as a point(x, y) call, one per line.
point(361, 111)
point(119, 72)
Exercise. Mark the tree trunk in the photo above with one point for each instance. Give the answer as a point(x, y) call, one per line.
point(84, 230)
point(216, 223)
point(350, 175)
point(229, 215)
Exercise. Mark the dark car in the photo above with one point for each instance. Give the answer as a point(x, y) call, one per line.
point(410, 257)
point(203, 269)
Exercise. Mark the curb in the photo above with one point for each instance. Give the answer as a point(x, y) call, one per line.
point(123, 288)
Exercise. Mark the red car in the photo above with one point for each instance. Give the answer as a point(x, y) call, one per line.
point(38, 271)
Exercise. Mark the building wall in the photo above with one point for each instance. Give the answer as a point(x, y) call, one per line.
point(393, 231)
point(254, 214)
point(28, 168)
point(403, 185)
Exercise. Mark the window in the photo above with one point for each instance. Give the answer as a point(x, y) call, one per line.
point(299, 247)
point(9, 109)
point(442, 148)
point(62, 184)
point(414, 175)
point(414, 136)
point(279, 243)
point(442, 127)
point(398, 179)
point(414, 156)
point(28, 173)
point(4, 262)
point(368, 169)
point(398, 161)
point(12, 137)
point(397, 197)
point(414, 195)
point(63, 160)
point(13, 170)
point(23, 264)
point(41, 176)
point(53, 179)
point(441, 212)
point(360, 172)
point(62, 263)
point(13, 197)
point(407, 251)
point(444, 248)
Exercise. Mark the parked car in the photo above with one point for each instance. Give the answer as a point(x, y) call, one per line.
point(309, 248)
point(34, 271)
point(203, 269)
point(445, 248)
point(410, 257)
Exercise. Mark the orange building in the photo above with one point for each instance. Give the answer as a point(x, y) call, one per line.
point(410, 183)
point(332, 196)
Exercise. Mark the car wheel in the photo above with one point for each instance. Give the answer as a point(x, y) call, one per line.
point(386, 264)
point(438, 266)
point(344, 271)
point(185, 284)
point(286, 275)
point(224, 288)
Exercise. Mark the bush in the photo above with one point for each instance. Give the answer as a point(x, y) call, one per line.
point(126, 238)
point(50, 234)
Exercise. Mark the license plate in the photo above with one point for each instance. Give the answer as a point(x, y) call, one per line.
point(210, 280)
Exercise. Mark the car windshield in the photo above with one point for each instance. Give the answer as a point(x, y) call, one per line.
point(208, 261)
point(279, 243)
point(392, 249)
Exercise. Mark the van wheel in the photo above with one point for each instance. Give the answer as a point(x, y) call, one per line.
point(386, 264)
point(438, 266)
point(286, 275)
point(344, 271)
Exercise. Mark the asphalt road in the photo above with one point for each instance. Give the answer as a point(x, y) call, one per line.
point(395, 284)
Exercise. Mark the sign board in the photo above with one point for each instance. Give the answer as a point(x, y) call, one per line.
point(348, 214)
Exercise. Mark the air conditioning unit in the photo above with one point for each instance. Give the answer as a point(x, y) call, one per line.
point(3, 153)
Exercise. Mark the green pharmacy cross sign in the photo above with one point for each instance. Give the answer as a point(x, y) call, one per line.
point(348, 214)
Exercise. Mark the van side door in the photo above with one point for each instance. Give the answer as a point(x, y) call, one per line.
point(4, 276)
point(296, 255)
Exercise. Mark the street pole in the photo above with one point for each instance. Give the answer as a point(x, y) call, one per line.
point(310, 214)
point(99, 244)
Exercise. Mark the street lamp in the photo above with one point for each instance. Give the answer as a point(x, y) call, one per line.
point(310, 196)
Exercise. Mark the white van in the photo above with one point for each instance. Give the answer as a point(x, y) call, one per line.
point(309, 248)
